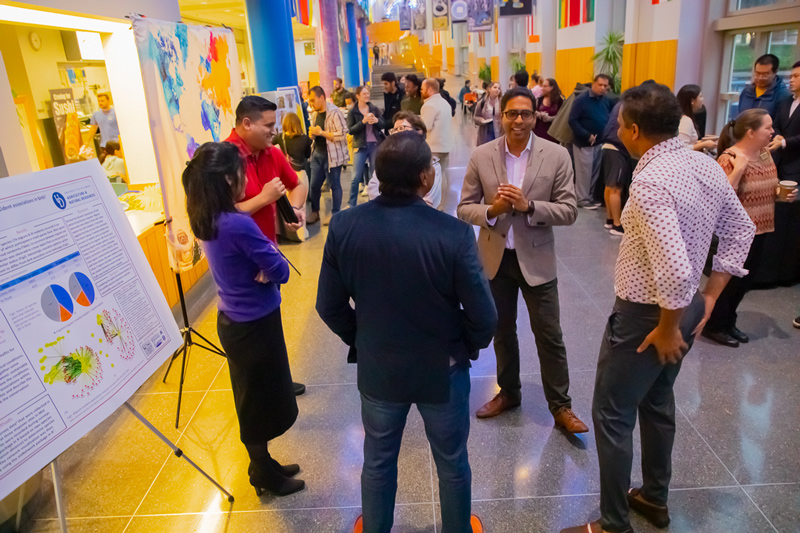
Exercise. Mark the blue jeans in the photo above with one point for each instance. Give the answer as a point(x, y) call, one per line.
point(319, 171)
point(447, 428)
point(366, 152)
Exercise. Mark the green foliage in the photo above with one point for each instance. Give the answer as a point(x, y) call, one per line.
point(608, 60)
point(515, 64)
point(485, 73)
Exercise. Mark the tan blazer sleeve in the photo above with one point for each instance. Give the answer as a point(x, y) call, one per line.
point(471, 208)
point(562, 208)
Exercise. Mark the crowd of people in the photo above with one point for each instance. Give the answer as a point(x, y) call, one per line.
point(414, 296)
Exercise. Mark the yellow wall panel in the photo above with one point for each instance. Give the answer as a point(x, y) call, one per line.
point(473, 63)
point(654, 60)
point(451, 59)
point(574, 66)
point(437, 52)
point(533, 62)
point(313, 79)
point(496, 69)
point(384, 32)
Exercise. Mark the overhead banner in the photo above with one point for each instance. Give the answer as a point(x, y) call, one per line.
point(459, 11)
point(419, 17)
point(192, 84)
point(481, 15)
point(65, 115)
point(441, 19)
point(516, 8)
point(404, 15)
point(83, 323)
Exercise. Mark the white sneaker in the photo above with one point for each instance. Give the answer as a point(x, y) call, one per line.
point(618, 231)
point(609, 224)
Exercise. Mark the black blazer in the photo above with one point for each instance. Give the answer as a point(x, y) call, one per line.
point(359, 130)
point(420, 295)
point(788, 159)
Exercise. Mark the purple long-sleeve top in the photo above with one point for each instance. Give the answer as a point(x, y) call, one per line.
point(235, 257)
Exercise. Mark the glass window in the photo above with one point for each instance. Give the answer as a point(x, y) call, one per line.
point(747, 4)
point(783, 44)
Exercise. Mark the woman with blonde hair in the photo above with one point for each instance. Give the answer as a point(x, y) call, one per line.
point(296, 146)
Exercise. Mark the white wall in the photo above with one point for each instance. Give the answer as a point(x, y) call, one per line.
point(41, 65)
point(660, 22)
point(118, 9)
point(306, 64)
point(580, 36)
point(12, 140)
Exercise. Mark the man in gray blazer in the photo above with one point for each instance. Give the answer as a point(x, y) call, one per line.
point(516, 189)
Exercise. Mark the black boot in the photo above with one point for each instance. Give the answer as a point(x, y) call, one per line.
point(285, 470)
point(264, 476)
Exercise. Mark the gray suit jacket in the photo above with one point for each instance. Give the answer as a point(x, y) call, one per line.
point(548, 182)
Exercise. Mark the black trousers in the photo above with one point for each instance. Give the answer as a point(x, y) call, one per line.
point(544, 311)
point(628, 383)
point(724, 316)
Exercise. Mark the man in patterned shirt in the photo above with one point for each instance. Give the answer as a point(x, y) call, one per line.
point(678, 198)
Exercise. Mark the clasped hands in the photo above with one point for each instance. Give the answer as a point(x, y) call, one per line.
point(370, 119)
point(509, 198)
point(315, 131)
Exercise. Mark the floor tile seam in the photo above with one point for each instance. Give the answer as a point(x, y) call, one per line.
point(241, 511)
point(708, 445)
point(171, 454)
point(759, 509)
point(575, 279)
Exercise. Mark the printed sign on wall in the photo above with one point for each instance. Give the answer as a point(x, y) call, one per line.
point(441, 19)
point(516, 8)
point(481, 15)
point(65, 114)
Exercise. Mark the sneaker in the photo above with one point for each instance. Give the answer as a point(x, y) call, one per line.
point(588, 206)
point(609, 223)
point(365, 193)
point(796, 322)
point(617, 230)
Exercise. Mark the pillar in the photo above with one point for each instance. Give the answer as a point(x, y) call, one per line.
point(505, 32)
point(549, 17)
point(365, 50)
point(269, 25)
point(350, 66)
point(327, 40)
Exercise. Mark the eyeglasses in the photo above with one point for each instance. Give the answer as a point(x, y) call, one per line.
point(513, 114)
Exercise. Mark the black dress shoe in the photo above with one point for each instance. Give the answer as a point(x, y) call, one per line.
point(721, 337)
point(299, 389)
point(739, 335)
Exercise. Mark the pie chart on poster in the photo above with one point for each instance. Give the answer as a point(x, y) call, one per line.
point(81, 289)
point(56, 303)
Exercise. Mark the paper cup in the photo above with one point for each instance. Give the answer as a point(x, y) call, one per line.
point(786, 188)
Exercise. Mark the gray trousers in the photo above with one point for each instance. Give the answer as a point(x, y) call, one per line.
point(444, 161)
point(544, 311)
point(629, 383)
point(587, 171)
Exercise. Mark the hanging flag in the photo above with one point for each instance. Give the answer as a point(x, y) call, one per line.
point(588, 11)
point(304, 12)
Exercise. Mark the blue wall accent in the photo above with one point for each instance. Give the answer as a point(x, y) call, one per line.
point(350, 67)
point(269, 23)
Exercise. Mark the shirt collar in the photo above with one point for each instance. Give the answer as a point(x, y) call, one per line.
point(527, 148)
point(670, 145)
point(236, 140)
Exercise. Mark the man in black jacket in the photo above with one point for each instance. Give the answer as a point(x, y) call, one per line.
point(787, 129)
point(422, 310)
point(392, 96)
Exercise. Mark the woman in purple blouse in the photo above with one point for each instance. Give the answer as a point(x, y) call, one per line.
point(547, 106)
point(248, 269)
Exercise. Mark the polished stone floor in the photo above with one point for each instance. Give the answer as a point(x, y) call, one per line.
point(736, 461)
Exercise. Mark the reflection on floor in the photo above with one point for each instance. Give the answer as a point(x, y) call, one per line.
point(737, 462)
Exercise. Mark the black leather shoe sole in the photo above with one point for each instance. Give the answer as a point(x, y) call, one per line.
point(299, 389)
point(720, 337)
point(657, 515)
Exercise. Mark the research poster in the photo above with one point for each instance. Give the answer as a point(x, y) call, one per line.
point(83, 322)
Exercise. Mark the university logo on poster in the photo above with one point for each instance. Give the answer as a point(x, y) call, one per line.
point(516, 8)
point(459, 11)
point(419, 16)
point(481, 15)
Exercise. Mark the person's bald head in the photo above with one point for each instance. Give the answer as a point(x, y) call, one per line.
point(430, 86)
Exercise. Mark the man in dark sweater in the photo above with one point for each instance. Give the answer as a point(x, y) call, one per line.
point(413, 338)
point(392, 96)
point(616, 167)
point(588, 117)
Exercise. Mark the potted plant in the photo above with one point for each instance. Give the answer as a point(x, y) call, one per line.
point(608, 59)
point(485, 74)
point(516, 64)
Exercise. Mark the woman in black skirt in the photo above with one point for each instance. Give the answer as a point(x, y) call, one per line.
point(247, 269)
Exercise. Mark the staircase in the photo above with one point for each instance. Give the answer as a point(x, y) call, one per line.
point(377, 87)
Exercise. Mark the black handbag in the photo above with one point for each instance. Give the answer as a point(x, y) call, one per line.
point(286, 210)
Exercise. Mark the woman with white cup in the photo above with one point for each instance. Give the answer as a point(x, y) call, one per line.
point(746, 160)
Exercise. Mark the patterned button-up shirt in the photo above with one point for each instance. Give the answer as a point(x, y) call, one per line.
point(678, 199)
point(336, 123)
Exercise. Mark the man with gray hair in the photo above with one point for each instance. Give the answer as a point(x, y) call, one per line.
point(438, 118)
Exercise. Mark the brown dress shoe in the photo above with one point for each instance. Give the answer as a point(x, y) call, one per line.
point(500, 403)
point(658, 515)
point(592, 527)
point(566, 419)
point(313, 218)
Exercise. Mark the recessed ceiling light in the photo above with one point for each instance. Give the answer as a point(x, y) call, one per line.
point(227, 11)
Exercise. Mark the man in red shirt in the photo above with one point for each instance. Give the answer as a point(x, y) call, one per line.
point(269, 174)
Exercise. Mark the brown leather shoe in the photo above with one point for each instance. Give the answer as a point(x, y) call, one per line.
point(500, 403)
point(313, 218)
point(592, 527)
point(566, 419)
point(658, 515)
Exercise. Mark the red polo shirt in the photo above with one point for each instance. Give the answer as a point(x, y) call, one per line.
point(261, 168)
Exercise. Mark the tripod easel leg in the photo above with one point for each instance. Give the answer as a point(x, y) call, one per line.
point(62, 518)
point(186, 349)
point(177, 451)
